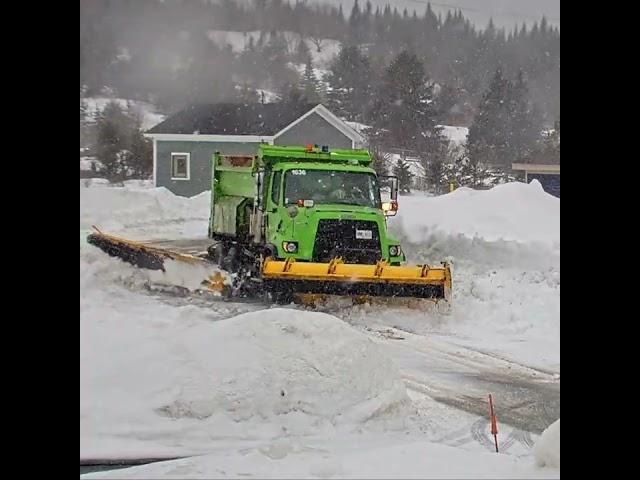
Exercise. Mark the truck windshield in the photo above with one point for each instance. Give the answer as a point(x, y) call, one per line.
point(330, 186)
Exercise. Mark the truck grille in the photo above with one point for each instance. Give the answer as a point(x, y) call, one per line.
point(337, 238)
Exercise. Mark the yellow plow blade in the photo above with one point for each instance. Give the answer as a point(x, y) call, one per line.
point(357, 281)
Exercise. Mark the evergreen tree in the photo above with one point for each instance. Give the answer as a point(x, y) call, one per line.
point(191, 68)
point(302, 52)
point(356, 23)
point(140, 158)
point(435, 174)
point(246, 93)
point(403, 114)
point(402, 171)
point(113, 140)
point(275, 58)
point(83, 110)
point(488, 135)
point(470, 172)
point(524, 122)
point(291, 94)
point(309, 84)
point(445, 102)
point(350, 77)
point(121, 147)
point(380, 161)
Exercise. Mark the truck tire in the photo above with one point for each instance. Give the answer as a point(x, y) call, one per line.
point(217, 253)
point(230, 260)
point(282, 298)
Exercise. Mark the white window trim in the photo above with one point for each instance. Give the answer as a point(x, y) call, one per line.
point(188, 155)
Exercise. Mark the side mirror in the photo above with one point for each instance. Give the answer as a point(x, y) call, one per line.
point(392, 183)
point(390, 209)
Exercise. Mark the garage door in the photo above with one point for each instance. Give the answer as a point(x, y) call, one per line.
point(550, 183)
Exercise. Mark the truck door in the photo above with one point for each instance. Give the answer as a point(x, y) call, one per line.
point(274, 205)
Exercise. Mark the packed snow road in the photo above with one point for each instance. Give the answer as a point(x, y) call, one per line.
point(433, 364)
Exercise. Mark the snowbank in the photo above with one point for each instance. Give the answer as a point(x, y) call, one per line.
point(547, 449)
point(103, 182)
point(355, 457)
point(168, 378)
point(118, 208)
point(504, 246)
point(279, 362)
point(517, 212)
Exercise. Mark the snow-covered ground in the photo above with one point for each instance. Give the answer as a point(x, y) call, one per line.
point(238, 40)
point(547, 449)
point(267, 96)
point(456, 135)
point(368, 392)
point(147, 112)
point(88, 163)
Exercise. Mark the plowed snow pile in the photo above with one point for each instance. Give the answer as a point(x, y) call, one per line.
point(148, 368)
point(504, 246)
point(547, 449)
point(119, 209)
point(281, 362)
point(517, 212)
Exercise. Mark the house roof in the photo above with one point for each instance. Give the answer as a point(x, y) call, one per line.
point(232, 119)
point(255, 122)
point(537, 167)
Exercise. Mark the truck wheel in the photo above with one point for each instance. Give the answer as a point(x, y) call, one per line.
point(282, 298)
point(216, 253)
point(230, 260)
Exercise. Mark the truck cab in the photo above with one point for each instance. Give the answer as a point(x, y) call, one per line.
point(316, 211)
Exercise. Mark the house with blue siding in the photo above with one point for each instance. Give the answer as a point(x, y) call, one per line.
point(184, 143)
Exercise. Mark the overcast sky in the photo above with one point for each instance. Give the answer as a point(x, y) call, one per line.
point(505, 13)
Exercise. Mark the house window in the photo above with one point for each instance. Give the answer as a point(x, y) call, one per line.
point(180, 166)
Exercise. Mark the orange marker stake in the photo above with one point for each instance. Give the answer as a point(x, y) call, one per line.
point(494, 422)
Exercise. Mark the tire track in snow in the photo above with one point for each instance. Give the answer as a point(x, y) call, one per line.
point(526, 398)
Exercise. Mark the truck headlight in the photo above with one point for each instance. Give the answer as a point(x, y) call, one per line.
point(290, 247)
point(394, 250)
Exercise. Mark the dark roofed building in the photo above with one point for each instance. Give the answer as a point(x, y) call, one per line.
point(233, 119)
point(184, 143)
point(544, 167)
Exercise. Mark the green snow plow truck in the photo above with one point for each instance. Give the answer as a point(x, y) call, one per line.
point(303, 222)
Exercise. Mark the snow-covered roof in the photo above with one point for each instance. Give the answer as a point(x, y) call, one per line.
point(455, 135)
